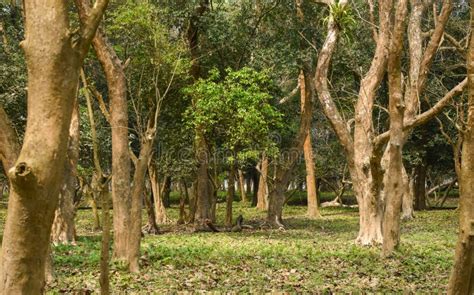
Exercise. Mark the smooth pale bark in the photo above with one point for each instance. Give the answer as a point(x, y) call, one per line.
point(117, 94)
point(9, 146)
point(262, 193)
point(53, 60)
point(243, 193)
point(395, 184)
point(64, 230)
point(462, 277)
point(362, 159)
point(311, 190)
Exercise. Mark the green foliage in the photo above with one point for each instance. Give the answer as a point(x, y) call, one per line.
point(237, 109)
point(344, 18)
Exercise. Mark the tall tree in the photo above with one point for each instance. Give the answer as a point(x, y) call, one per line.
point(117, 92)
point(54, 54)
point(462, 277)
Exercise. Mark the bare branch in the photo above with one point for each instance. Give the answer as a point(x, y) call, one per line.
point(427, 115)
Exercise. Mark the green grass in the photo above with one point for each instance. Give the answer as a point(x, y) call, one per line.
point(310, 256)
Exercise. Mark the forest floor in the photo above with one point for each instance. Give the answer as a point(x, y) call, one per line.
point(309, 256)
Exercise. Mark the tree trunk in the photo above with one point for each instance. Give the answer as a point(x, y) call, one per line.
point(117, 93)
point(53, 60)
point(184, 197)
point(419, 187)
point(276, 203)
point(146, 148)
point(230, 195)
point(396, 185)
point(151, 226)
point(248, 185)
point(166, 189)
point(255, 185)
point(408, 197)
point(262, 194)
point(243, 193)
point(64, 231)
point(160, 211)
point(311, 191)
point(462, 277)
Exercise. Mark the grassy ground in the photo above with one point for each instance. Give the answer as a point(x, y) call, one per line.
point(310, 256)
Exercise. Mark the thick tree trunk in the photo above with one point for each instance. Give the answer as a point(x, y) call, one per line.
point(64, 231)
point(262, 194)
point(117, 93)
point(136, 205)
point(53, 61)
point(230, 195)
point(462, 277)
point(243, 193)
point(276, 203)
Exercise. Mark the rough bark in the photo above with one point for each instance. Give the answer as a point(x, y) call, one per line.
point(462, 277)
point(117, 93)
point(262, 193)
point(64, 231)
point(53, 60)
point(395, 185)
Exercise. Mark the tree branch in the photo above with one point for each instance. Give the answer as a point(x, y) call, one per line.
point(90, 24)
point(425, 116)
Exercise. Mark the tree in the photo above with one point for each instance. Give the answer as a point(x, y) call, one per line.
point(364, 149)
point(117, 92)
point(462, 277)
point(51, 50)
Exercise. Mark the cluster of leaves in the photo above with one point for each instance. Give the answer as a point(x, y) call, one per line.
point(237, 109)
